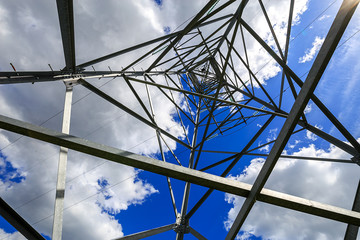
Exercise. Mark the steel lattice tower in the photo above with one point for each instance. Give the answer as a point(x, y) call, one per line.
point(200, 64)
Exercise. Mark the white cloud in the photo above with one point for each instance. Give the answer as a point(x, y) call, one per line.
point(31, 39)
point(310, 135)
point(310, 53)
point(11, 236)
point(292, 146)
point(329, 183)
point(323, 17)
point(82, 192)
point(308, 108)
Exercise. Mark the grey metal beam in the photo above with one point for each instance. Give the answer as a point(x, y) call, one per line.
point(141, 45)
point(178, 172)
point(287, 42)
point(184, 205)
point(147, 233)
point(330, 116)
point(280, 114)
point(159, 137)
point(352, 230)
point(236, 16)
point(331, 41)
point(305, 158)
point(66, 19)
point(61, 175)
point(231, 165)
point(128, 110)
point(283, 156)
point(10, 215)
point(187, 29)
point(197, 234)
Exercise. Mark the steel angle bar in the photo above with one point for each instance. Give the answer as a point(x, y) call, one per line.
point(66, 19)
point(178, 172)
point(10, 215)
point(280, 114)
point(158, 135)
point(177, 111)
point(168, 97)
point(339, 126)
point(128, 110)
point(340, 144)
point(147, 233)
point(238, 77)
point(139, 100)
point(166, 37)
point(196, 234)
point(187, 29)
point(331, 41)
point(287, 42)
point(184, 205)
point(268, 143)
point(305, 158)
point(282, 156)
point(46, 76)
point(231, 165)
point(212, 109)
point(247, 59)
point(61, 174)
point(352, 230)
point(256, 79)
point(236, 16)
point(280, 50)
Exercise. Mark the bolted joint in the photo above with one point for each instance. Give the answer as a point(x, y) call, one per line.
point(181, 228)
point(69, 83)
point(181, 225)
point(356, 159)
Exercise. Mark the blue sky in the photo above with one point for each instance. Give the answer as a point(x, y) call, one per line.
point(126, 200)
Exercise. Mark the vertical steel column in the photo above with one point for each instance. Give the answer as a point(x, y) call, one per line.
point(352, 230)
point(61, 177)
point(184, 206)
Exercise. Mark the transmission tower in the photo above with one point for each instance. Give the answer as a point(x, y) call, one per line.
point(199, 69)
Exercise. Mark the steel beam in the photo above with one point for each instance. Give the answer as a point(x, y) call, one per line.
point(66, 19)
point(178, 172)
point(288, 71)
point(61, 175)
point(331, 41)
point(280, 114)
point(187, 29)
point(147, 233)
point(141, 45)
point(184, 205)
point(305, 158)
point(196, 234)
point(352, 230)
point(128, 110)
point(18, 222)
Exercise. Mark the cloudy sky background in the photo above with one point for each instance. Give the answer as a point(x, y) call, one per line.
point(105, 200)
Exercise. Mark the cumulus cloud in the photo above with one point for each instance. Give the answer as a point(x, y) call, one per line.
point(11, 236)
point(31, 39)
point(323, 17)
point(329, 183)
point(308, 108)
point(310, 52)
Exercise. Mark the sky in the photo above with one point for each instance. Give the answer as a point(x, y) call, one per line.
point(105, 200)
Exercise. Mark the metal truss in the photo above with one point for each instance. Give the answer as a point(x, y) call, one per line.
point(200, 64)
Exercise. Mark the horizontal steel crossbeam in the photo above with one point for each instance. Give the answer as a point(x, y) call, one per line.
point(178, 172)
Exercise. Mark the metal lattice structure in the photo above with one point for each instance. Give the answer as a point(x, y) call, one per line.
point(200, 64)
